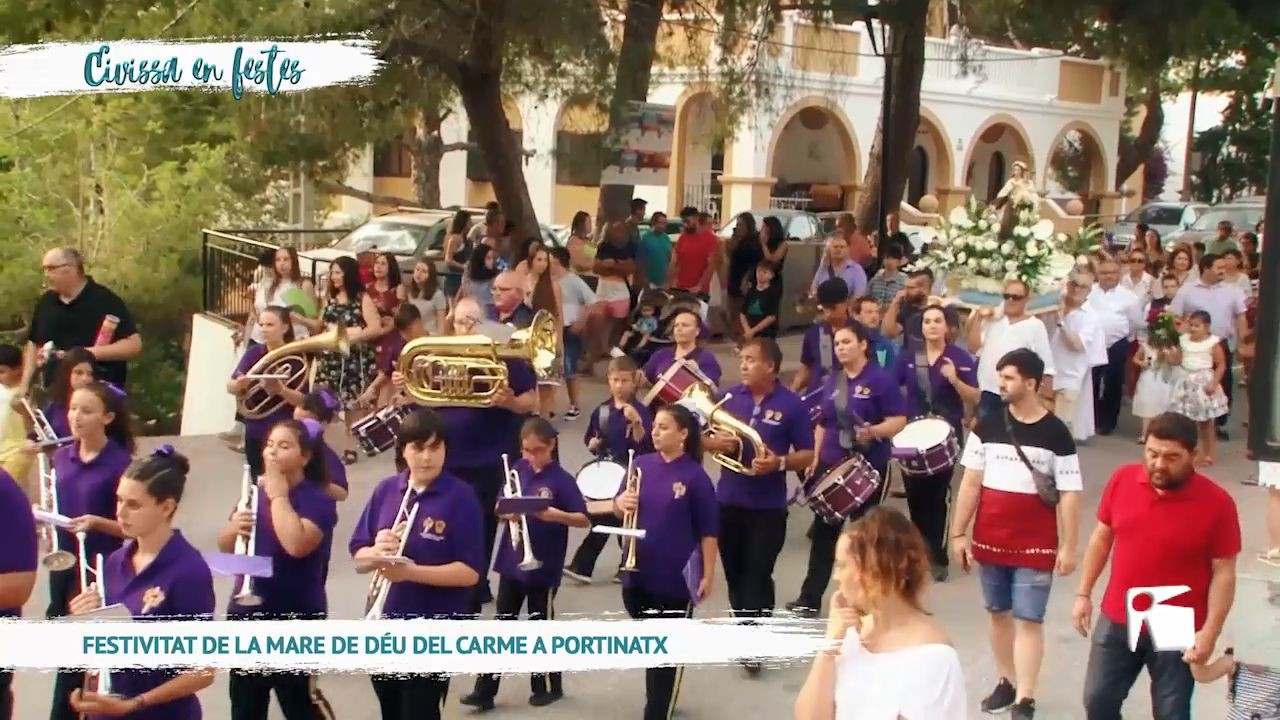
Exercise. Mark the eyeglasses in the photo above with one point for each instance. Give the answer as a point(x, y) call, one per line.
point(51, 268)
point(1014, 297)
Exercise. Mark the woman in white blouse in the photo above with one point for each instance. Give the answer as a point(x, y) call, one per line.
point(898, 662)
point(1137, 279)
point(284, 274)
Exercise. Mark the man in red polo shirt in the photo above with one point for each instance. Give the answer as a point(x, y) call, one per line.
point(1161, 523)
point(692, 260)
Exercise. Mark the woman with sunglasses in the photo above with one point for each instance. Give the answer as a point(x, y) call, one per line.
point(158, 575)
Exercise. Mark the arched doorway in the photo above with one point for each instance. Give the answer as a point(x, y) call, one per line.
point(1076, 167)
point(917, 175)
point(995, 147)
point(995, 174)
point(813, 157)
point(930, 164)
point(699, 155)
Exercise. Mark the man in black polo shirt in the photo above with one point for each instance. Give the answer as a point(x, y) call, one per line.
point(70, 314)
point(902, 317)
point(508, 307)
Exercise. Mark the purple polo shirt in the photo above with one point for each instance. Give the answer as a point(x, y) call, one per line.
point(89, 488)
point(258, 429)
point(57, 416)
point(448, 528)
point(677, 509)
point(334, 467)
point(548, 540)
point(811, 355)
point(663, 359)
point(296, 586)
point(873, 395)
point(17, 533)
point(176, 585)
point(946, 401)
point(389, 352)
point(615, 439)
point(478, 436)
point(782, 420)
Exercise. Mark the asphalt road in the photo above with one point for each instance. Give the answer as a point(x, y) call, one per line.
point(724, 692)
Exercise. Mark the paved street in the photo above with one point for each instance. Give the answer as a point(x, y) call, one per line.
point(723, 692)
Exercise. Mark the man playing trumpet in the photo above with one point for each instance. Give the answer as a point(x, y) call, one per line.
point(443, 550)
point(547, 532)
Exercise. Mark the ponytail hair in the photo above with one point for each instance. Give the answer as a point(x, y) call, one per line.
point(310, 436)
point(163, 473)
point(112, 398)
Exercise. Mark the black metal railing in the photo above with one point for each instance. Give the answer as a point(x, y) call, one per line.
point(230, 265)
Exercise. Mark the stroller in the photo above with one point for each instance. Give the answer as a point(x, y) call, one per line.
point(665, 304)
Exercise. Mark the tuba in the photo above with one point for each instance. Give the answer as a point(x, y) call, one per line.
point(468, 370)
point(699, 399)
point(292, 362)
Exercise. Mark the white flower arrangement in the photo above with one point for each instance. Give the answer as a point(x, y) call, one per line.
point(968, 247)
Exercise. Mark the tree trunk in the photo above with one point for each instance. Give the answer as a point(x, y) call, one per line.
point(482, 97)
point(1133, 155)
point(908, 40)
point(635, 66)
point(428, 149)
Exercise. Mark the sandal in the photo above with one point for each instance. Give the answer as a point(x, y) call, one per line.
point(1270, 557)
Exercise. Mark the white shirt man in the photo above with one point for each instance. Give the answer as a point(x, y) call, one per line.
point(1119, 311)
point(1000, 336)
point(1075, 345)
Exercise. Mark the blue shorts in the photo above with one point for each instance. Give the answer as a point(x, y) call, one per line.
point(572, 353)
point(1023, 591)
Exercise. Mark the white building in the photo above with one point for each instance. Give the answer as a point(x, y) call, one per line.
point(809, 145)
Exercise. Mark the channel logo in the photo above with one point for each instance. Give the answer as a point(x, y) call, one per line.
point(1171, 627)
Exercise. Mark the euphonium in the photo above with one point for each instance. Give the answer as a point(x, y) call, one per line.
point(518, 529)
point(245, 595)
point(468, 370)
point(631, 519)
point(380, 586)
point(698, 398)
point(292, 360)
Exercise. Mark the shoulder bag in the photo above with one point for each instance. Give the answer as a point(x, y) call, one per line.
point(1046, 487)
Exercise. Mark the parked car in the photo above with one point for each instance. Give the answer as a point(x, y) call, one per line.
point(919, 235)
point(1244, 214)
point(1166, 218)
point(798, 224)
point(409, 234)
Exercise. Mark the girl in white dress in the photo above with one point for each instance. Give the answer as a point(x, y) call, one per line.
point(1197, 389)
point(1151, 394)
point(898, 663)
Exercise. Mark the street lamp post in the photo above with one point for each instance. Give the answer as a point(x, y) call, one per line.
point(878, 32)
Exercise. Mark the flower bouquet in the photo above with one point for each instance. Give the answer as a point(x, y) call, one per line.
point(1163, 332)
point(978, 256)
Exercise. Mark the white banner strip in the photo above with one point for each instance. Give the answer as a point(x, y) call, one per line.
point(403, 646)
point(268, 66)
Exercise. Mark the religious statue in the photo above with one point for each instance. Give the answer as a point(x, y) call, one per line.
point(1018, 194)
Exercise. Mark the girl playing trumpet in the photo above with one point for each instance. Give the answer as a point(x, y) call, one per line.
point(276, 332)
point(548, 533)
point(674, 502)
point(88, 473)
point(445, 548)
point(294, 527)
point(157, 574)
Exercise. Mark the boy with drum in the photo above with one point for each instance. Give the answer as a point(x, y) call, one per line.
point(618, 426)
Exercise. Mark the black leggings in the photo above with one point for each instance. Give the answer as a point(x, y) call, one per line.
point(512, 597)
point(297, 693)
point(411, 697)
point(63, 586)
point(661, 684)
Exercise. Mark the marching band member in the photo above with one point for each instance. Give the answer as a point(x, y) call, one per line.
point(276, 332)
point(548, 533)
point(478, 437)
point(320, 406)
point(158, 575)
point(817, 349)
point(675, 504)
point(444, 545)
point(75, 370)
point(947, 388)
point(88, 473)
point(685, 324)
point(753, 508)
point(620, 425)
point(18, 564)
point(294, 527)
point(870, 413)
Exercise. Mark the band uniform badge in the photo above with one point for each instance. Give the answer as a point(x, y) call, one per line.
point(151, 599)
point(677, 490)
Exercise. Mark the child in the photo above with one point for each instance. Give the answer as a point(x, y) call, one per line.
point(74, 371)
point(13, 430)
point(321, 405)
point(1197, 390)
point(1151, 393)
point(644, 326)
point(760, 305)
point(548, 535)
point(408, 326)
point(618, 426)
point(885, 285)
point(1253, 692)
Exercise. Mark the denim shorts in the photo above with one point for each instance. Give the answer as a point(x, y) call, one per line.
point(1021, 590)
point(572, 353)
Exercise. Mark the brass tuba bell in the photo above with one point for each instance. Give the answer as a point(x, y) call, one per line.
point(292, 360)
point(468, 370)
point(699, 399)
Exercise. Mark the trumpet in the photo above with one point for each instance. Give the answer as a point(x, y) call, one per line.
point(248, 545)
point(518, 530)
point(629, 520)
point(380, 586)
point(57, 559)
point(100, 577)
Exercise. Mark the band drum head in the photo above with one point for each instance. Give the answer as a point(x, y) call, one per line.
point(601, 479)
point(923, 434)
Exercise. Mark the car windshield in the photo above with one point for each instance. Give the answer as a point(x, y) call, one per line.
point(1156, 215)
point(384, 236)
point(1243, 218)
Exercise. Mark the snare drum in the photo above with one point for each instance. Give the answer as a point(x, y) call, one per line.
point(671, 385)
point(926, 446)
point(599, 481)
point(377, 433)
point(843, 489)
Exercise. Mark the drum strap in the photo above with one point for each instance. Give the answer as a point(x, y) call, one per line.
point(845, 415)
point(824, 347)
point(602, 427)
point(922, 381)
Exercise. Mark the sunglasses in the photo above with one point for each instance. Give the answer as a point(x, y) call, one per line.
point(1014, 297)
point(51, 268)
point(1136, 261)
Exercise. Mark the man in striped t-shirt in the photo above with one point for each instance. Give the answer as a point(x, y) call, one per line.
point(1019, 540)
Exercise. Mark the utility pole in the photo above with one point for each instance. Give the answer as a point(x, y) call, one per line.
point(1191, 133)
point(1264, 413)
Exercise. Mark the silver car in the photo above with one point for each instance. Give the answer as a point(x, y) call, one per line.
point(1244, 214)
point(1166, 218)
